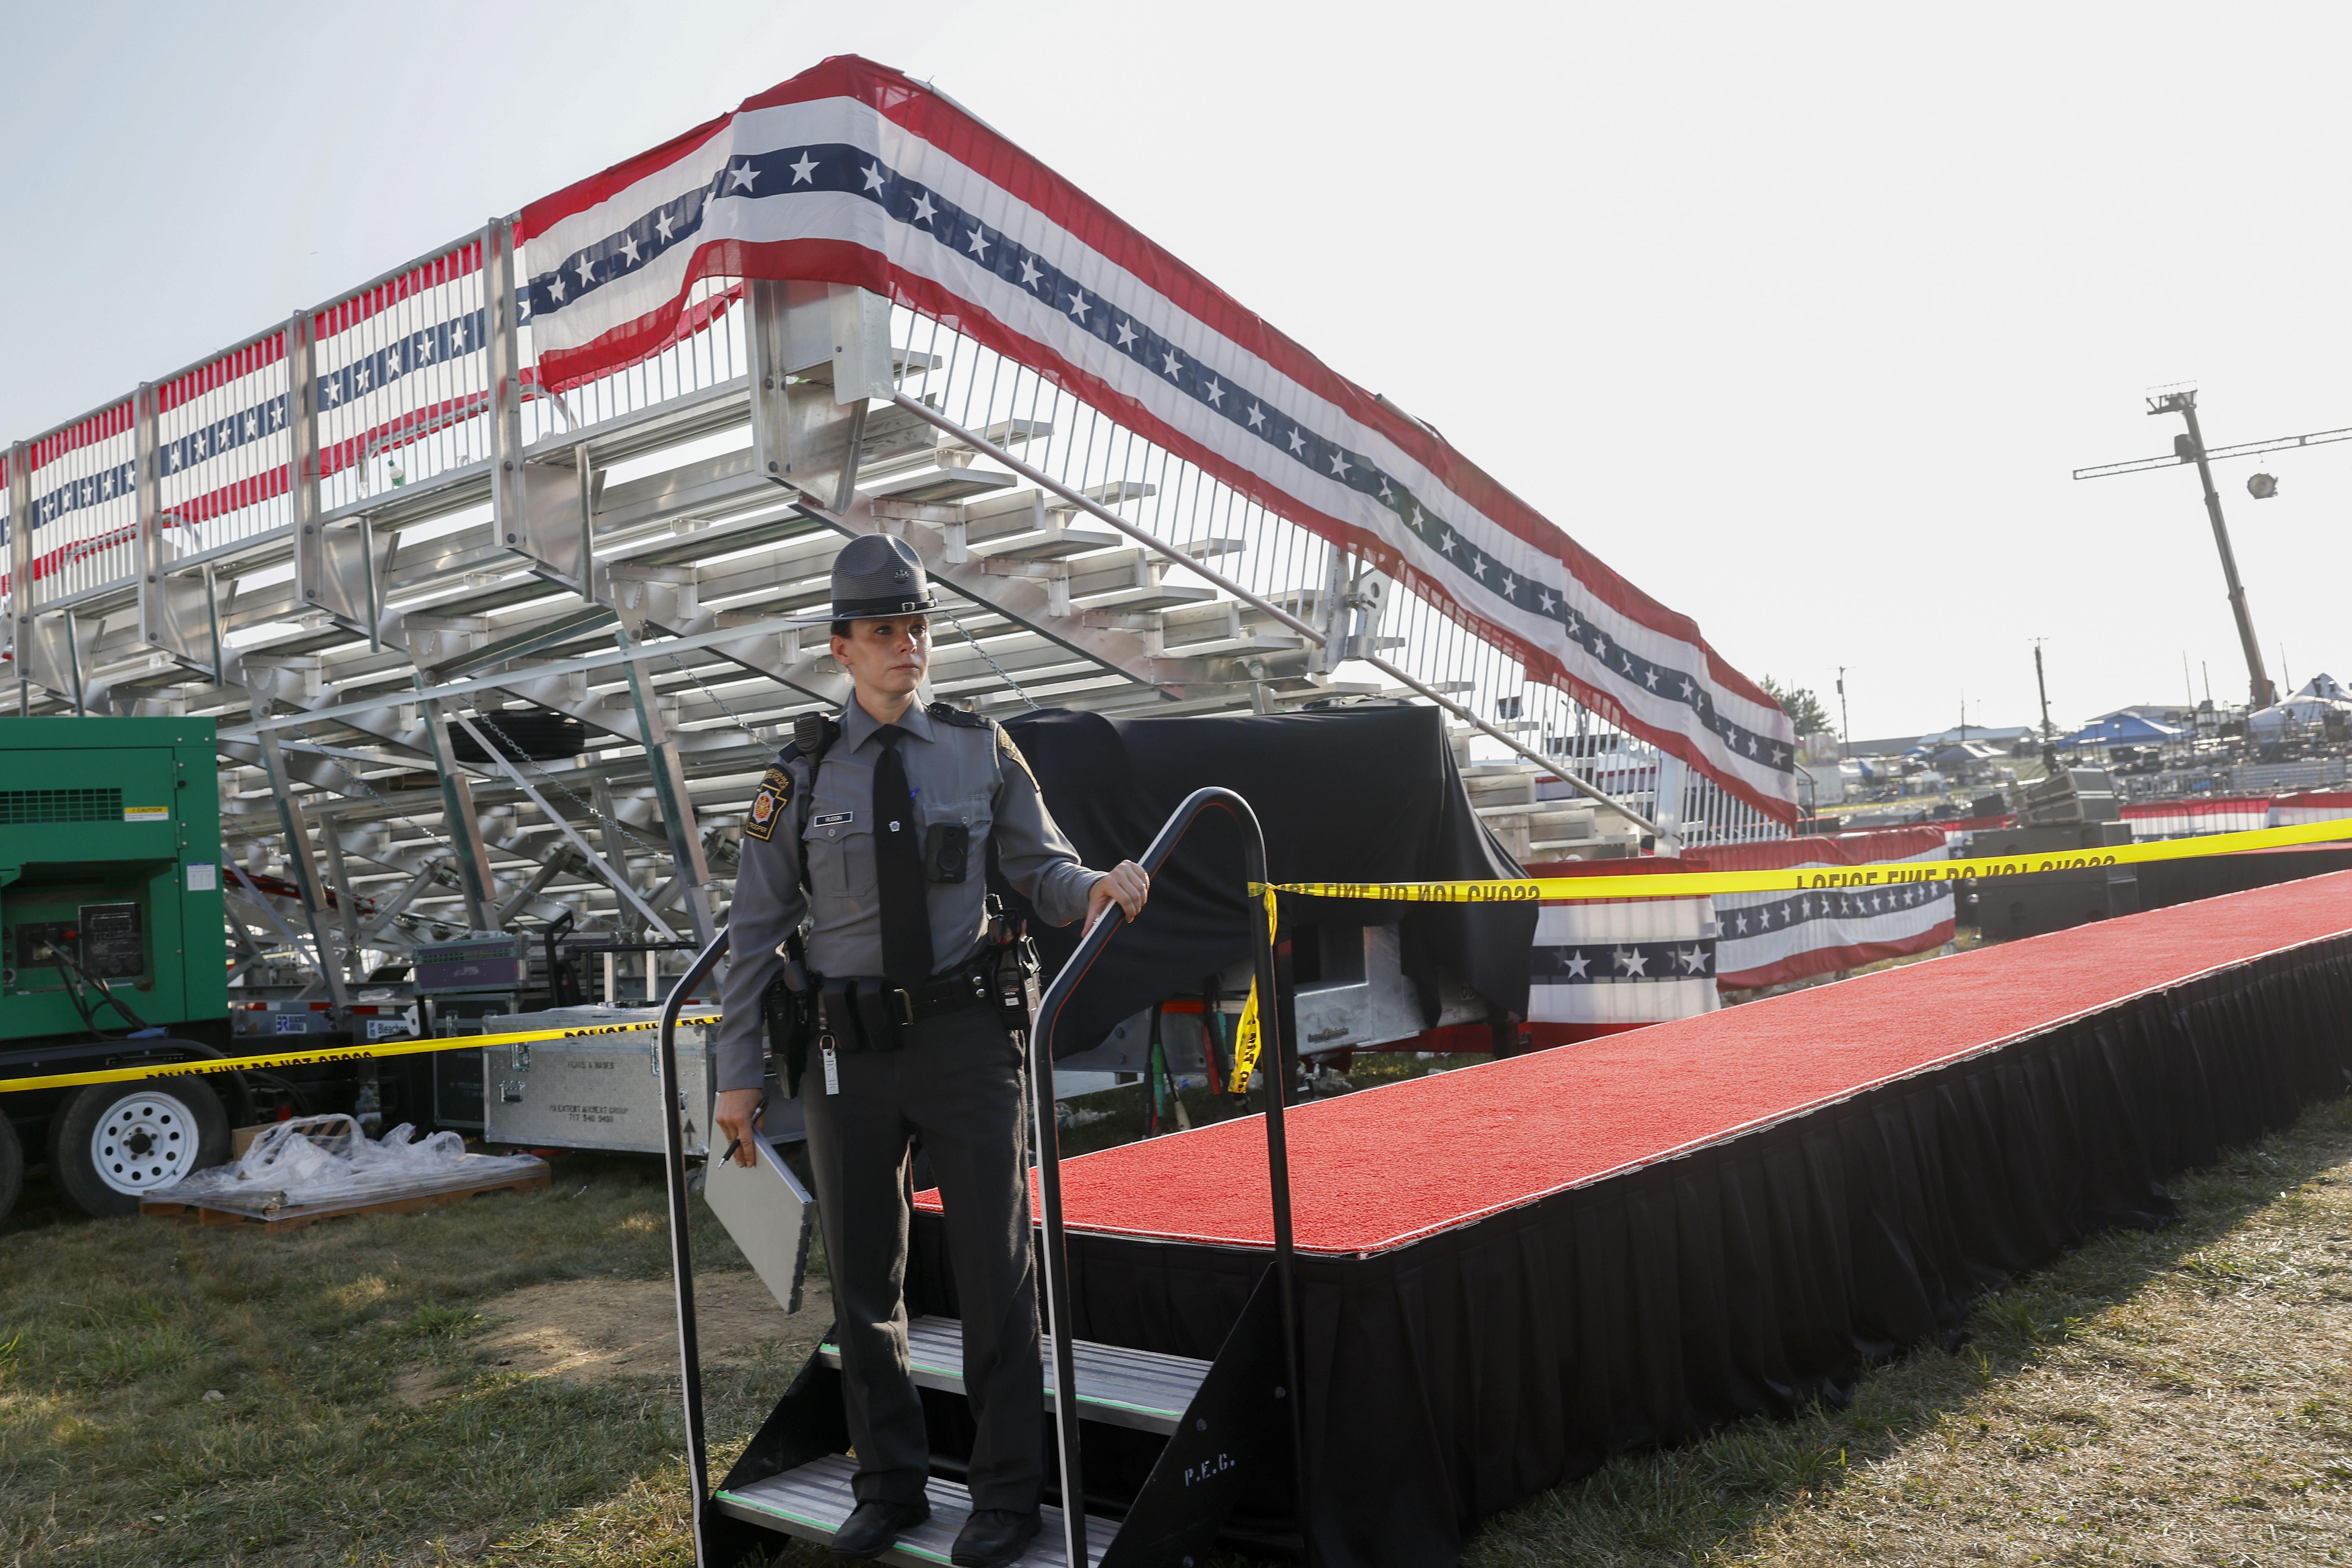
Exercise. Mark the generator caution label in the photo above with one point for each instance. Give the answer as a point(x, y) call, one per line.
point(146, 814)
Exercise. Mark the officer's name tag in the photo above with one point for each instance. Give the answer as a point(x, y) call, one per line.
point(832, 818)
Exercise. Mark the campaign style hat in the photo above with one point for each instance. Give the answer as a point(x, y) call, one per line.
point(876, 575)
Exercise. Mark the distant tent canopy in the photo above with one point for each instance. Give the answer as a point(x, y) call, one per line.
point(2321, 696)
point(1959, 759)
point(2121, 729)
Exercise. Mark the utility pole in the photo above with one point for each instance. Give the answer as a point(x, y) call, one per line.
point(2048, 731)
point(2191, 447)
point(1845, 721)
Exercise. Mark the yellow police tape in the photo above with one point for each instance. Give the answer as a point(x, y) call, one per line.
point(1882, 874)
point(1248, 1038)
point(330, 1054)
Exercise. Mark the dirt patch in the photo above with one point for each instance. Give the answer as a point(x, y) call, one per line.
point(594, 1331)
point(418, 1385)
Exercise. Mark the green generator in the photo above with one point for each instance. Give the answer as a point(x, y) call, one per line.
point(111, 950)
point(110, 870)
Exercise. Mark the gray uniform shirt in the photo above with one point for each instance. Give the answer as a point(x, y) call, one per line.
point(959, 773)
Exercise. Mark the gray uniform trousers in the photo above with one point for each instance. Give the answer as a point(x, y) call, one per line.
point(957, 1081)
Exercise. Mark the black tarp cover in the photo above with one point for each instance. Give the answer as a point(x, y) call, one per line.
point(1361, 794)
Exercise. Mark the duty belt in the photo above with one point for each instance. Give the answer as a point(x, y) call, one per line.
point(881, 1009)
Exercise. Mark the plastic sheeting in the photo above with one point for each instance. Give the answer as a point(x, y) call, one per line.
point(312, 1160)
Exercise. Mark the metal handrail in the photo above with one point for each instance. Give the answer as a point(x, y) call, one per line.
point(1101, 513)
point(682, 1263)
point(1055, 1256)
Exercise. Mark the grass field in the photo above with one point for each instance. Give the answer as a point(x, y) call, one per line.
point(2183, 1396)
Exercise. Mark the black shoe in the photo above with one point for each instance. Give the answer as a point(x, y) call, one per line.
point(994, 1537)
point(874, 1528)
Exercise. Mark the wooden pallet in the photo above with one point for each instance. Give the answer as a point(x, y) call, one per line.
point(292, 1216)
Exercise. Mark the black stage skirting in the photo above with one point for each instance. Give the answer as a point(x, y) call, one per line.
point(1451, 1378)
point(2163, 883)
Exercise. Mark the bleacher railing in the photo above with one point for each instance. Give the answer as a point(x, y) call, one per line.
point(1178, 503)
point(398, 374)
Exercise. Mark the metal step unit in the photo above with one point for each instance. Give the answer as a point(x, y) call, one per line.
point(1219, 1426)
point(815, 1500)
point(1141, 1389)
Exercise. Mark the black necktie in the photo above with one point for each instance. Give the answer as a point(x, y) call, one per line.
point(898, 867)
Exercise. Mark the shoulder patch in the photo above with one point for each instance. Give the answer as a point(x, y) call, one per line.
point(767, 802)
point(948, 713)
point(1013, 753)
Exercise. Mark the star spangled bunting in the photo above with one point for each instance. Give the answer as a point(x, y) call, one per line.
point(1623, 963)
point(371, 372)
point(932, 246)
point(1774, 913)
point(840, 169)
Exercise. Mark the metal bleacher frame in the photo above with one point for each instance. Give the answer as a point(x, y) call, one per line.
point(369, 543)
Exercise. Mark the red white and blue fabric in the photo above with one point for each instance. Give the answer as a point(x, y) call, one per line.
point(2195, 818)
point(1638, 961)
point(2313, 805)
point(1770, 939)
point(222, 441)
point(853, 173)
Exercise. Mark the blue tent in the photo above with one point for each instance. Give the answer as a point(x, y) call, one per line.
point(2121, 729)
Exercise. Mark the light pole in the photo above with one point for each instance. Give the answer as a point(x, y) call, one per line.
point(1845, 722)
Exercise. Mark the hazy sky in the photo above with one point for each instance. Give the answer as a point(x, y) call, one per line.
point(1798, 316)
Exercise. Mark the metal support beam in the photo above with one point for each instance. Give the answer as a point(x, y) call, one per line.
point(306, 873)
point(613, 873)
point(615, 837)
point(676, 805)
point(49, 652)
point(387, 910)
point(313, 575)
point(550, 869)
point(347, 903)
point(1666, 804)
point(147, 490)
point(464, 828)
point(20, 561)
point(535, 508)
point(591, 485)
point(260, 900)
point(806, 433)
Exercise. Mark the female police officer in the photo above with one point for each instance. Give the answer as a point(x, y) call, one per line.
point(878, 834)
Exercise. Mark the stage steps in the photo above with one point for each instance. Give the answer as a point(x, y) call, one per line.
point(1119, 1387)
point(815, 1500)
point(1186, 1450)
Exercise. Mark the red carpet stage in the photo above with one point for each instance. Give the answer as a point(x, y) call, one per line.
point(1510, 1271)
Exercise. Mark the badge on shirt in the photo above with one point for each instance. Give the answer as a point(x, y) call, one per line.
point(1004, 743)
point(768, 805)
point(833, 819)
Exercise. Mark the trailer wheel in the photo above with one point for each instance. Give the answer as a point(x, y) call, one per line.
point(12, 1168)
point(111, 1144)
